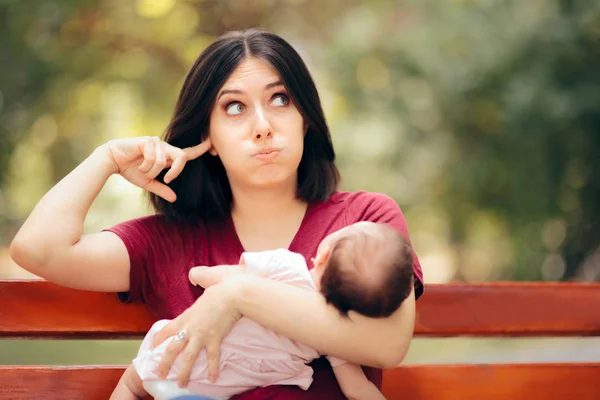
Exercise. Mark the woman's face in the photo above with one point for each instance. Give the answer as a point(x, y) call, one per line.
point(255, 128)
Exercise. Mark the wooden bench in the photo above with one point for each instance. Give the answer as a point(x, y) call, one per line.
point(38, 309)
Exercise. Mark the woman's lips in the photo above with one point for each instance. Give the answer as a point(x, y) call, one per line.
point(267, 154)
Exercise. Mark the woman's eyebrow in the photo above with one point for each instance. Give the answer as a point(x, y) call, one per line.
point(237, 91)
point(274, 84)
point(226, 91)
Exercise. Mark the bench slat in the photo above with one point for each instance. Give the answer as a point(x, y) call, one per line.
point(42, 309)
point(54, 383)
point(509, 309)
point(440, 382)
point(491, 382)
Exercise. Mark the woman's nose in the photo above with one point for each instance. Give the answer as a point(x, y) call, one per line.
point(262, 129)
point(262, 135)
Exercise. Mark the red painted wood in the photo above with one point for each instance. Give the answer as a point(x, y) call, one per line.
point(415, 382)
point(49, 383)
point(509, 309)
point(42, 309)
point(493, 382)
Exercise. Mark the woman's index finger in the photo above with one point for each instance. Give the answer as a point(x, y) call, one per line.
point(196, 151)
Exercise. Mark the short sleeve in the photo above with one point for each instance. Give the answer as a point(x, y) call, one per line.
point(377, 207)
point(280, 265)
point(153, 247)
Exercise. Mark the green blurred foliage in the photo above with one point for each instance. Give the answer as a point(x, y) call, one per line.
point(480, 118)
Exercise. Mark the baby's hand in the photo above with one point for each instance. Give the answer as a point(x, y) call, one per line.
point(209, 276)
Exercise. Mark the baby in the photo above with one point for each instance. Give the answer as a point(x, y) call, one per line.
point(365, 267)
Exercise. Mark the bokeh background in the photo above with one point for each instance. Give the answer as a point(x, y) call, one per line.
point(481, 118)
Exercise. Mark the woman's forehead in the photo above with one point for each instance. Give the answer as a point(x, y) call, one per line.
point(252, 72)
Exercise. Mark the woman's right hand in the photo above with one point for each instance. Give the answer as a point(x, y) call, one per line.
point(206, 323)
point(141, 159)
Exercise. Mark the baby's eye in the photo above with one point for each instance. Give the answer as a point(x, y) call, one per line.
point(235, 108)
point(281, 100)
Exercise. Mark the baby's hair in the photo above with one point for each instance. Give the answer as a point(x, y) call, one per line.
point(371, 274)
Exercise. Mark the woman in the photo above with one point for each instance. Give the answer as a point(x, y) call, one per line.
point(247, 164)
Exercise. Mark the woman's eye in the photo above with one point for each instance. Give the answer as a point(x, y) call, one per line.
point(235, 108)
point(281, 100)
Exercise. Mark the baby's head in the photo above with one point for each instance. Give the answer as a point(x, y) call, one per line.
point(365, 267)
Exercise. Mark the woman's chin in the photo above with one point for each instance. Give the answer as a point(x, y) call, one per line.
point(275, 179)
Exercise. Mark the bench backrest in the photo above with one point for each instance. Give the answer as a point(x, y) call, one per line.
point(38, 309)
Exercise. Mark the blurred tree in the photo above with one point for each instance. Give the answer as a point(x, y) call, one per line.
point(487, 136)
point(527, 141)
point(509, 118)
point(25, 28)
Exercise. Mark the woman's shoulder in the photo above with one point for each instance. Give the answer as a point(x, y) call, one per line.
point(155, 223)
point(363, 206)
point(361, 199)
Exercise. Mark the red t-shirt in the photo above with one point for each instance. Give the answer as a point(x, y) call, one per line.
point(161, 254)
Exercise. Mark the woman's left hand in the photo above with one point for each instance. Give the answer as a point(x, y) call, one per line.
point(203, 325)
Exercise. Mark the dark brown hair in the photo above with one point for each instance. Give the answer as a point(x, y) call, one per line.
point(368, 274)
point(202, 189)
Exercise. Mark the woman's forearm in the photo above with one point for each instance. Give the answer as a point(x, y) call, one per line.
point(56, 223)
point(304, 316)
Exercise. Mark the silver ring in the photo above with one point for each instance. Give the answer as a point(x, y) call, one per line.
point(182, 334)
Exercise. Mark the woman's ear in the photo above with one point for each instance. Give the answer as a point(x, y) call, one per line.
point(212, 151)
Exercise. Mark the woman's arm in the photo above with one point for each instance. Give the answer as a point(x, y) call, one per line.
point(296, 313)
point(304, 316)
point(51, 243)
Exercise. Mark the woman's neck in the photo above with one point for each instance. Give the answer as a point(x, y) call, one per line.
point(263, 205)
point(266, 220)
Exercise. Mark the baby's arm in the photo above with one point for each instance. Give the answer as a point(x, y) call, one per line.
point(129, 387)
point(354, 383)
point(280, 265)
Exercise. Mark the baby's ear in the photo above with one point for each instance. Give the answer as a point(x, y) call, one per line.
point(321, 257)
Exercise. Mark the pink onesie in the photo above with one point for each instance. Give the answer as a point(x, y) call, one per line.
point(251, 355)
